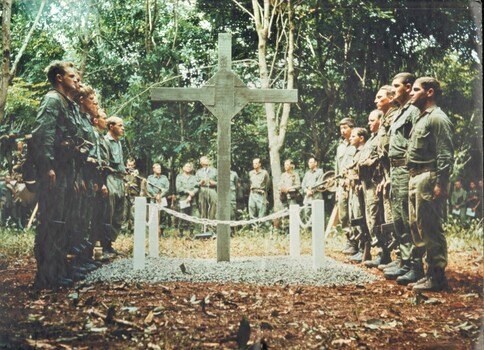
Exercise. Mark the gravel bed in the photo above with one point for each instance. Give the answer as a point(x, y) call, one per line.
point(255, 270)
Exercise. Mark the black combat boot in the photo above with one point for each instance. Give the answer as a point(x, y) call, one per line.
point(415, 274)
point(435, 281)
point(392, 274)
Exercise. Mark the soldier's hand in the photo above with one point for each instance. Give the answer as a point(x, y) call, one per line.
point(96, 187)
point(309, 193)
point(52, 178)
point(191, 194)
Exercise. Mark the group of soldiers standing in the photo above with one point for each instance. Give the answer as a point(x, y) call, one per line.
point(394, 183)
point(78, 168)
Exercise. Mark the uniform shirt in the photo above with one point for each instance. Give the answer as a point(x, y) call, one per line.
point(344, 156)
point(311, 178)
point(431, 143)
point(400, 130)
point(207, 174)
point(154, 183)
point(458, 198)
point(368, 159)
point(55, 122)
point(290, 182)
point(115, 154)
point(383, 132)
point(186, 183)
point(259, 180)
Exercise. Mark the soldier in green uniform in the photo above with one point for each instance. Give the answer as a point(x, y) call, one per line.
point(259, 185)
point(358, 139)
point(157, 189)
point(371, 175)
point(344, 157)
point(458, 201)
point(81, 209)
point(132, 190)
point(207, 181)
point(115, 184)
point(97, 161)
point(289, 185)
point(430, 158)
point(384, 101)
point(186, 191)
point(311, 178)
point(53, 153)
point(410, 268)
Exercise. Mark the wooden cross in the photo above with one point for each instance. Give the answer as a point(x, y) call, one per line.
point(224, 95)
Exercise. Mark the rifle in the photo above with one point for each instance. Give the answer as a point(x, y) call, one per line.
point(320, 184)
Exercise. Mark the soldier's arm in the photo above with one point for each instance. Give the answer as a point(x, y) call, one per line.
point(444, 149)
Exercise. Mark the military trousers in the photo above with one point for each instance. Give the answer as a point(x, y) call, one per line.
point(257, 205)
point(207, 198)
point(51, 239)
point(115, 208)
point(426, 219)
point(343, 208)
point(399, 199)
point(373, 205)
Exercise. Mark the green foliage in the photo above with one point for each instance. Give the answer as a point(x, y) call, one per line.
point(464, 235)
point(16, 243)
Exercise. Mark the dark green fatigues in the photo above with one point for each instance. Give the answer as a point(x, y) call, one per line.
point(153, 185)
point(430, 159)
point(207, 196)
point(344, 157)
point(115, 184)
point(399, 135)
point(184, 184)
point(259, 185)
point(53, 150)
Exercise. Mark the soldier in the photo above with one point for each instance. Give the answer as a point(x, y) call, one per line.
point(187, 190)
point(115, 184)
point(344, 157)
point(98, 161)
point(371, 175)
point(473, 201)
point(157, 189)
point(53, 154)
point(82, 201)
point(289, 185)
point(384, 101)
point(458, 201)
point(410, 268)
point(311, 178)
point(430, 157)
point(207, 181)
point(358, 139)
point(259, 185)
point(132, 189)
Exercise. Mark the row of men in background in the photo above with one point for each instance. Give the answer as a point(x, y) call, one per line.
point(466, 204)
point(195, 193)
point(79, 176)
point(408, 159)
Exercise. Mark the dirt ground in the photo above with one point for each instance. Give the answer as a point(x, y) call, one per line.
point(382, 315)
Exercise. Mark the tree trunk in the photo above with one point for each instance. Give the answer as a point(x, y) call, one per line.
point(276, 127)
point(9, 73)
point(6, 46)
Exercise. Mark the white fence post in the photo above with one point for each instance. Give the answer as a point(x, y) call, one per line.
point(318, 232)
point(153, 230)
point(139, 233)
point(294, 238)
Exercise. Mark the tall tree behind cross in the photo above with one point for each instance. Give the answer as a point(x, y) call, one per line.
point(224, 96)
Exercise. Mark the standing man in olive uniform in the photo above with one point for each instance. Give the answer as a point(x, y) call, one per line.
point(132, 190)
point(410, 268)
point(289, 185)
point(115, 184)
point(53, 155)
point(157, 189)
point(344, 157)
point(187, 190)
point(207, 181)
point(430, 158)
point(259, 185)
point(311, 178)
